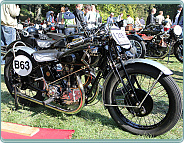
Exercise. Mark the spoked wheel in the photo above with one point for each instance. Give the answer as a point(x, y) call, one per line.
point(178, 51)
point(138, 48)
point(160, 110)
point(157, 54)
point(22, 86)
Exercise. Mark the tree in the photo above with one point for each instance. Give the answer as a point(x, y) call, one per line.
point(38, 13)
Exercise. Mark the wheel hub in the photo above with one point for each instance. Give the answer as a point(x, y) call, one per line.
point(146, 107)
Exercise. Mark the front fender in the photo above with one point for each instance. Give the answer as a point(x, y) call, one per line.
point(157, 65)
point(16, 49)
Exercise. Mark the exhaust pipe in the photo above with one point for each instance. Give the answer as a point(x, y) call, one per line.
point(45, 103)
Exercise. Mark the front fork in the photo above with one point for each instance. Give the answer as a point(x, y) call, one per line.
point(131, 92)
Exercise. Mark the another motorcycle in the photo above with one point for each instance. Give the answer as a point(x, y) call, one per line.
point(139, 94)
point(160, 43)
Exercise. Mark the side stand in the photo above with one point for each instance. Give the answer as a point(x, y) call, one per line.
point(169, 53)
point(16, 99)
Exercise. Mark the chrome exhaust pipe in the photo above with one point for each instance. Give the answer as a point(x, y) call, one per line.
point(41, 102)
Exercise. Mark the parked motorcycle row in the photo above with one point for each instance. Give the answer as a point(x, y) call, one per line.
point(160, 44)
point(64, 73)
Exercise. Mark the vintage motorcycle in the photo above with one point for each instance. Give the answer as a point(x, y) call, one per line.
point(139, 94)
point(160, 43)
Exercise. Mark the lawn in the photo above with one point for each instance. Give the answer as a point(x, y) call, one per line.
point(93, 122)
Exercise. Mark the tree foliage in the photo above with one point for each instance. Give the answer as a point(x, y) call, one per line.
point(134, 10)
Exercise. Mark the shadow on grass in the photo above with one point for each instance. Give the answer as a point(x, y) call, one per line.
point(37, 109)
point(94, 116)
point(178, 73)
point(9, 101)
point(2, 78)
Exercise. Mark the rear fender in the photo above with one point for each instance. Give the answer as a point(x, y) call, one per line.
point(136, 37)
point(16, 49)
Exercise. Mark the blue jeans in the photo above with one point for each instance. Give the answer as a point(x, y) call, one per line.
point(69, 31)
point(8, 35)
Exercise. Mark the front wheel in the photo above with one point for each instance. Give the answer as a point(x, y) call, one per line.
point(178, 51)
point(159, 112)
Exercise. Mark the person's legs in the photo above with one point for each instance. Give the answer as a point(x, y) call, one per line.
point(2, 36)
point(9, 34)
point(69, 31)
point(66, 31)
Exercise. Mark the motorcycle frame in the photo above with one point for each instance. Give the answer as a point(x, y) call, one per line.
point(106, 58)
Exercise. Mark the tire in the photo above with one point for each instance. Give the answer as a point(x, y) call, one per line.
point(163, 105)
point(138, 47)
point(11, 77)
point(178, 51)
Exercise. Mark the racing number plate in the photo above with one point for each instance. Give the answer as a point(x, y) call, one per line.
point(22, 65)
point(120, 37)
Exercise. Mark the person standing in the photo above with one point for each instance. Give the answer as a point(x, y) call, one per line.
point(120, 17)
point(99, 18)
point(142, 22)
point(110, 18)
point(60, 16)
point(130, 20)
point(95, 14)
point(160, 18)
point(90, 17)
point(121, 22)
point(168, 23)
point(130, 23)
point(69, 21)
point(50, 19)
point(151, 18)
point(8, 23)
point(138, 25)
point(177, 15)
point(181, 22)
point(60, 20)
point(79, 16)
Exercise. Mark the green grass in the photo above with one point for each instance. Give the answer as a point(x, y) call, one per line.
point(93, 122)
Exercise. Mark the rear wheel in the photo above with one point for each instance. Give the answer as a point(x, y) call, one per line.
point(159, 112)
point(138, 48)
point(24, 84)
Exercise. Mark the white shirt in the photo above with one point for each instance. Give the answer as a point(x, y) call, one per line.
point(130, 20)
point(119, 18)
point(90, 17)
point(8, 15)
point(159, 19)
point(169, 23)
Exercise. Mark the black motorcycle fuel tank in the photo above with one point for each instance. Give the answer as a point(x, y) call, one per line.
point(81, 55)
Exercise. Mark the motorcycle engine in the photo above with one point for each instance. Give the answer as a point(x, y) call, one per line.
point(160, 41)
point(66, 97)
point(71, 97)
point(65, 92)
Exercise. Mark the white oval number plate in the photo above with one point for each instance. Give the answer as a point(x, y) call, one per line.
point(120, 37)
point(22, 65)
